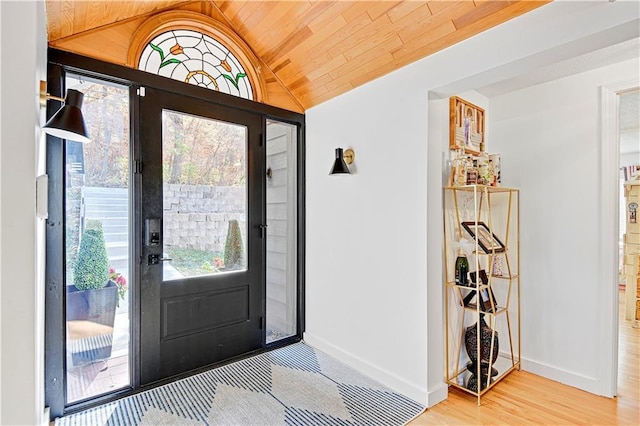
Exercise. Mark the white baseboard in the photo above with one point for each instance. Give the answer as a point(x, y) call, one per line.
point(570, 378)
point(437, 394)
point(410, 390)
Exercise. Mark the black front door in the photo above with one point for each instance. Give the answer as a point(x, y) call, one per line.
point(202, 252)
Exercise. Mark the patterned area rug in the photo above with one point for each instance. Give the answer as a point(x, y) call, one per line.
point(294, 385)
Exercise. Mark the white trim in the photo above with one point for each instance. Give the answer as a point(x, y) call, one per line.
point(385, 377)
point(586, 383)
point(437, 395)
point(609, 187)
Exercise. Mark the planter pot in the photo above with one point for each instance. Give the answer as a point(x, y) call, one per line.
point(90, 319)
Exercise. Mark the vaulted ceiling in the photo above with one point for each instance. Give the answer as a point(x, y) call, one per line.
point(313, 49)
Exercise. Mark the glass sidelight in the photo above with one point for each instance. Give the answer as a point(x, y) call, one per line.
point(97, 200)
point(281, 171)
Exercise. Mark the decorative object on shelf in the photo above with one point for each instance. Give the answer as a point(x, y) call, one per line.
point(487, 240)
point(487, 298)
point(466, 125)
point(484, 172)
point(462, 268)
point(471, 343)
point(498, 268)
point(472, 383)
point(459, 169)
point(342, 159)
point(494, 159)
point(633, 207)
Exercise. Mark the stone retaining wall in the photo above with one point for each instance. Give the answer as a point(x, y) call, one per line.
point(196, 217)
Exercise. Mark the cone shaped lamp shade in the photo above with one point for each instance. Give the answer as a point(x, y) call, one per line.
point(68, 122)
point(339, 166)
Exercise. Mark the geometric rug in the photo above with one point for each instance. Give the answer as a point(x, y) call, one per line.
point(293, 385)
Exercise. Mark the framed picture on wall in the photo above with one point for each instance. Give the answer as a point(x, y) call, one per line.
point(466, 125)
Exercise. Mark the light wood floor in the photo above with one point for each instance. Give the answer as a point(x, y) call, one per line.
point(523, 398)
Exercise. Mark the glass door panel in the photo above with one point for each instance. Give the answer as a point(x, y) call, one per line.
point(97, 177)
point(204, 177)
point(282, 233)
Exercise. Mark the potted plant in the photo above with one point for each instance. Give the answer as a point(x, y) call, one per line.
point(92, 300)
point(233, 248)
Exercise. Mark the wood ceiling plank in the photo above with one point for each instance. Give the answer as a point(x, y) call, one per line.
point(322, 96)
point(279, 24)
point(297, 21)
point(375, 9)
point(54, 16)
point(223, 5)
point(420, 28)
point(206, 8)
point(111, 44)
point(309, 99)
point(328, 45)
point(421, 44)
point(481, 11)
point(318, 58)
point(66, 20)
point(354, 11)
point(306, 50)
point(95, 13)
point(323, 27)
point(248, 15)
point(320, 81)
point(281, 65)
point(373, 36)
point(287, 45)
point(322, 67)
point(301, 82)
point(361, 63)
point(405, 8)
point(377, 30)
point(439, 6)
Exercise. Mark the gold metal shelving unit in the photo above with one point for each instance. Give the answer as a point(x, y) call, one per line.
point(488, 219)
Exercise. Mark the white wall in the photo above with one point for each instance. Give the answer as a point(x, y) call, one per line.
point(549, 139)
point(374, 243)
point(23, 65)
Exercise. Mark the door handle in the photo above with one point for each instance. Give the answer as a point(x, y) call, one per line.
point(263, 230)
point(154, 259)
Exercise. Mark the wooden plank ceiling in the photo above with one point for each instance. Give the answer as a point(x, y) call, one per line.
point(317, 49)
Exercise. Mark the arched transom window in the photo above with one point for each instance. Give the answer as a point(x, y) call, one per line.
point(196, 58)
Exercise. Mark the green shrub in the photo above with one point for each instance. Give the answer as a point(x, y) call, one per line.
point(92, 268)
point(233, 247)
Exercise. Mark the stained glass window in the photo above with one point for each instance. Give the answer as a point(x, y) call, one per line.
point(198, 59)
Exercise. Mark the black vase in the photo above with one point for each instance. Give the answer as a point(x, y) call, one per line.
point(472, 383)
point(471, 344)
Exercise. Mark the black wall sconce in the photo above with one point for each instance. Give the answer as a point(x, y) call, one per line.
point(68, 122)
point(342, 159)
